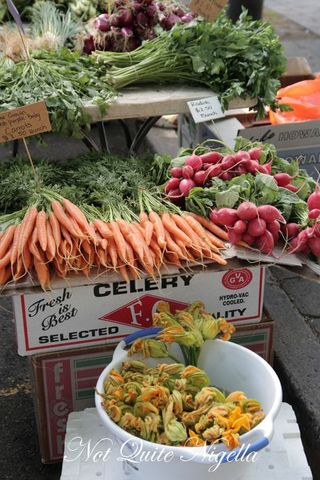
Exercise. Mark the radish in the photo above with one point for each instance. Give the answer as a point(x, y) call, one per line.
point(214, 217)
point(251, 166)
point(200, 177)
point(274, 227)
point(241, 169)
point(265, 243)
point(226, 176)
point(187, 171)
point(234, 238)
point(174, 194)
point(257, 227)
point(195, 162)
point(255, 153)
point(314, 199)
point(176, 172)
point(314, 214)
point(292, 229)
point(247, 211)
point(316, 229)
point(228, 162)
point(240, 227)
point(314, 245)
point(211, 157)
point(292, 188)
point(241, 156)
point(269, 213)
point(282, 179)
point(186, 185)
point(266, 168)
point(205, 166)
point(172, 184)
point(214, 170)
point(249, 239)
point(227, 216)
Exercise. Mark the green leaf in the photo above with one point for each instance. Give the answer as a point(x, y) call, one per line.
point(266, 181)
point(228, 198)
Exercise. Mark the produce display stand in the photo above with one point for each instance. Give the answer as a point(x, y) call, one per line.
point(283, 458)
point(149, 103)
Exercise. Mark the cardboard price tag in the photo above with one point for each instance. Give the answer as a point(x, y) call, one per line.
point(208, 9)
point(24, 122)
point(205, 109)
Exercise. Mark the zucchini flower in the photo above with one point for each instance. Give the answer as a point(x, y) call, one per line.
point(194, 440)
point(209, 328)
point(209, 394)
point(250, 405)
point(164, 320)
point(150, 427)
point(187, 400)
point(115, 377)
point(142, 409)
point(134, 366)
point(196, 309)
point(196, 377)
point(163, 307)
point(231, 440)
point(216, 410)
point(115, 413)
point(177, 402)
point(236, 397)
point(172, 369)
point(131, 423)
point(204, 422)
point(190, 418)
point(158, 396)
point(213, 434)
point(226, 328)
point(131, 391)
point(257, 417)
point(185, 319)
point(174, 430)
point(149, 348)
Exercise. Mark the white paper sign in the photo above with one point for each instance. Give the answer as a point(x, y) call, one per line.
point(205, 109)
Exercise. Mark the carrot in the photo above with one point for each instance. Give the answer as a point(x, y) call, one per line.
point(124, 273)
point(148, 231)
point(158, 228)
point(172, 247)
point(51, 247)
point(14, 248)
point(102, 228)
point(172, 259)
point(101, 257)
point(172, 228)
point(5, 260)
point(92, 234)
point(134, 272)
point(186, 228)
point(18, 270)
point(147, 258)
point(143, 217)
point(197, 227)
point(27, 227)
point(66, 236)
point(211, 227)
point(5, 275)
point(76, 214)
point(33, 247)
point(217, 258)
point(26, 258)
point(119, 241)
point(42, 272)
point(112, 250)
point(6, 240)
point(62, 217)
point(77, 228)
point(42, 229)
point(131, 238)
point(55, 227)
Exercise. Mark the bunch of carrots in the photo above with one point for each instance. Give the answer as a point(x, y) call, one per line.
point(61, 239)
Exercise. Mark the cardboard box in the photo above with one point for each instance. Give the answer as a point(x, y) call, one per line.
point(299, 140)
point(108, 311)
point(64, 382)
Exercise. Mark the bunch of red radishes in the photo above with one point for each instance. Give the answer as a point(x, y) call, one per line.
point(199, 169)
point(283, 180)
point(308, 240)
point(130, 23)
point(259, 227)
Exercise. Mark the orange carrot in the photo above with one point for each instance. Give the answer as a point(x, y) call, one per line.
point(147, 257)
point(102, 228)
point(172, 247)
point(158, 228)
point(197, 227)
point(26, 228)
point(92, 234)
point(217, 258)
point(51, 247)
point(124, 273)
point(172, 228)
point(18, 269)
point(101, 257)
point(186, 228)
point(211, 227)
point(5, 260)
point(42, 229)
point(26, 258)
point(6, 240)
point(14, 248)
point(76, 214)
point(77, 228)
point(62, 217)
point(55, 227)
point(112, 250)
point(33, 244)
point(42, 272)
point(148, 231)
point(119, 241)
point(143, 217)
point(66, 236)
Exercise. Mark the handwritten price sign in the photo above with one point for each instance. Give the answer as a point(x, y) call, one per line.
point(205, 109)
point(208, 9)
point(24, 122)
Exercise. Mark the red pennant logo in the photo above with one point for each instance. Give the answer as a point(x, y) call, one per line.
point(138, 313)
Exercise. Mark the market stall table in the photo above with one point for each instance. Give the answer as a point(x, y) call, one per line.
point(150, 103)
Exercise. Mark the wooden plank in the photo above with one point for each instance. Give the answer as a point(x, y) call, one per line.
point(152, 101)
